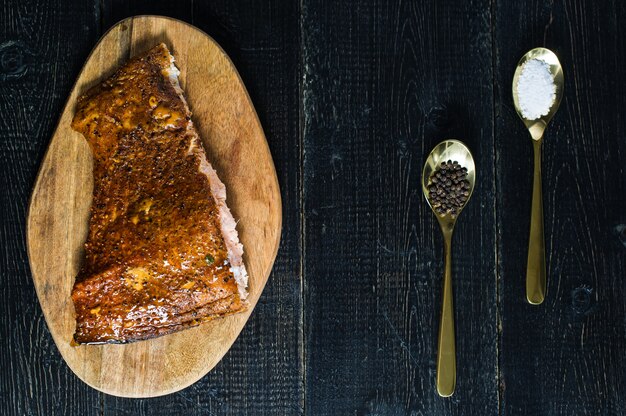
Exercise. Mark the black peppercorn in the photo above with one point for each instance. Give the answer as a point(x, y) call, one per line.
point(448, 188)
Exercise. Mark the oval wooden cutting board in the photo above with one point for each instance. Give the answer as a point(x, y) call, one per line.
point(59, 210)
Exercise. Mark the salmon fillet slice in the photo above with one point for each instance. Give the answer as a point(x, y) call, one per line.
point(162, 252)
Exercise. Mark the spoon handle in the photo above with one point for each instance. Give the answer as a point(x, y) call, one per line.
point(536, 266)
point(446, 358)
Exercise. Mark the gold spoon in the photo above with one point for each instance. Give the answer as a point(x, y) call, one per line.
point(446, 358)
point(536, 265)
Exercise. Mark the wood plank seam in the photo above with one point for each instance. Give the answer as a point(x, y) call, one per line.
point(497, 254)
point(302, 235)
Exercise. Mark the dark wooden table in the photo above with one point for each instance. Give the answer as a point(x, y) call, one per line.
point(352, 96)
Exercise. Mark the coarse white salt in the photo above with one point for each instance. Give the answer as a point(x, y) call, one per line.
point(536, 90)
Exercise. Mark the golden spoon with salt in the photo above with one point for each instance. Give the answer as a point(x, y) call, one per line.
point(536, 265)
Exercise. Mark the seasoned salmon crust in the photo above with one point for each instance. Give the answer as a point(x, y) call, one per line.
point(162, 253)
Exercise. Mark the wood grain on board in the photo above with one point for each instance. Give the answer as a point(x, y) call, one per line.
point(58, 215)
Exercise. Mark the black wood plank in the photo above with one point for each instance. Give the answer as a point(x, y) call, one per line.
point(115, 10)
point(384, 82)
point(262, 373)
point(565, 357)
point(42, 48)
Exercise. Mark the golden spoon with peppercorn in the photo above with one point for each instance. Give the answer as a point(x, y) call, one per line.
point(448, 181)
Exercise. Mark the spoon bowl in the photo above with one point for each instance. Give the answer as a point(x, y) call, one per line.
point(538, 126)
point(453, 150)
point(536, 264)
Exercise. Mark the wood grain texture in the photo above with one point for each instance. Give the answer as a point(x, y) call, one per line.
point(57, 221)
point(383, 83)
point(37, 71)
point(565, 357)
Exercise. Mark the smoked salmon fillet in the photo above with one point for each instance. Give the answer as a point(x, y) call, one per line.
point(162, 252)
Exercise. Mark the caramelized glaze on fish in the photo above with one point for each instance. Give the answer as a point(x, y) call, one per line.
point(162, 253)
